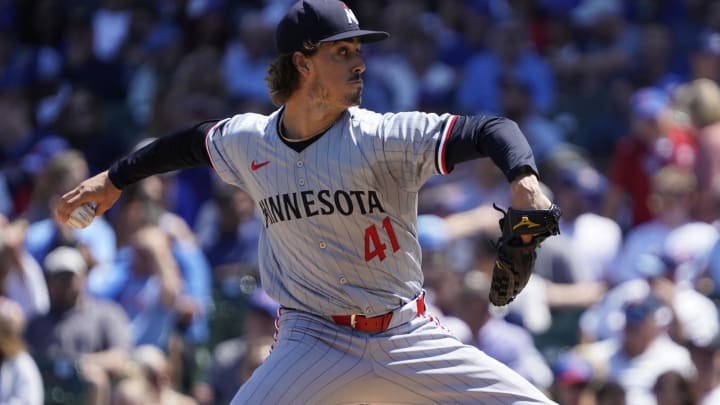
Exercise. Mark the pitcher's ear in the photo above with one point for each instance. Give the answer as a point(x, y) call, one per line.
point(300, 61)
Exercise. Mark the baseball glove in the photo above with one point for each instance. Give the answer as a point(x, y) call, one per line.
point(515, 258)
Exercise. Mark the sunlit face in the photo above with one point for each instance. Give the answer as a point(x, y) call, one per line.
point(335, 73)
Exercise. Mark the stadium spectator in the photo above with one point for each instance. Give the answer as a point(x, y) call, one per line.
point(245, 61)
point(705, 56)
point(578, 188)
point(672, 388)
point(655, 142)
point(544, 135)
point(161, 278)
point(652, 64)
point(149, 382)
point(152, 293)
point(442, 271)
point(83, 68)
point(509, 51)
point(79, 334)
point(695, 315)
point(44, 233)
point(670, 200)
point(234, 359)
point(572, 379)
point(21, 278)
point(702, 104)
point(611, 393)
point(21, 380)
point(155, 48)
point(143, 208)
point(413, 78)
point(228, 227)
point(705, 355)
point(645, 351)
point(509, 344)
point(587, 83)
point(18, 137)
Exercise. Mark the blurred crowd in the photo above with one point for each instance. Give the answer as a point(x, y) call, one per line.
point(159, 301)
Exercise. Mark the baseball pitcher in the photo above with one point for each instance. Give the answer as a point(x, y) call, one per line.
point(337, 186)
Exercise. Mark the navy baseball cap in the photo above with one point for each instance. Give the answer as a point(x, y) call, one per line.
point(638, 310)
point(320, 21)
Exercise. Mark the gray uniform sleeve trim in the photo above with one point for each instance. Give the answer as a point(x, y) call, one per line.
point(206, 139)
point(442, 143)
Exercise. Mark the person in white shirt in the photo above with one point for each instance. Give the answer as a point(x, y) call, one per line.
point(21, 278)
point(20, 381)
point(645, 351)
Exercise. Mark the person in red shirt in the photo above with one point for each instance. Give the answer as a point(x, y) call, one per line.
point(655, 140)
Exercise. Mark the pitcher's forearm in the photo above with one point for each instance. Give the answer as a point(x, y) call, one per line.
point(180, 150)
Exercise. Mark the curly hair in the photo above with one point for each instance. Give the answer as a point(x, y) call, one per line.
point(283, 77)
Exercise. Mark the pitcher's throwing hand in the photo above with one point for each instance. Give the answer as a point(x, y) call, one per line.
point(97, 191)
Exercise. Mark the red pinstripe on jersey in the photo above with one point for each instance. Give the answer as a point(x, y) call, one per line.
point(443, 145)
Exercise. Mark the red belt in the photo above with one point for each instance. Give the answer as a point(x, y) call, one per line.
point(373, 324)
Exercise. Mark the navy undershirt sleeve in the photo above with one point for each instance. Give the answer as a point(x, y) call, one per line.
point(180, 150)
point(499, 138)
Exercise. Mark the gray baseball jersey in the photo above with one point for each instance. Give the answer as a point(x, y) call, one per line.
point(339, 239)
point(340, 216)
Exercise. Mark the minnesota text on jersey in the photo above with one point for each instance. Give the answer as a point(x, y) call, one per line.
point(305, 204)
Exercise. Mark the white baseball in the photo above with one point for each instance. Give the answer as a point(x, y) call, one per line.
point(82, 216)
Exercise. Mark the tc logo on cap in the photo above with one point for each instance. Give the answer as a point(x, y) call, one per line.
point(350, 15)
point(315, 21)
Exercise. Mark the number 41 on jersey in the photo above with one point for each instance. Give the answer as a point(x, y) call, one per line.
point(374, 247)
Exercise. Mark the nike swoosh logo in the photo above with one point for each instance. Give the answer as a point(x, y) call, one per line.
point(254, 166)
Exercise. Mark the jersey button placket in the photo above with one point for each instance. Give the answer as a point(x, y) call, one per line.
point(300, 173)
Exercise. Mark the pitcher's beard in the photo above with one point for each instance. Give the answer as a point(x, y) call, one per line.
point(321, 95)
point(355, 98)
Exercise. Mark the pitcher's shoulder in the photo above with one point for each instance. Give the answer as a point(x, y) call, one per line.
point(364, 116)
point(369, 116)
point(249, 123)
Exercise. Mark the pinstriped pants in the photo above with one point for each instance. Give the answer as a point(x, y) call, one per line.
point(315, 361)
